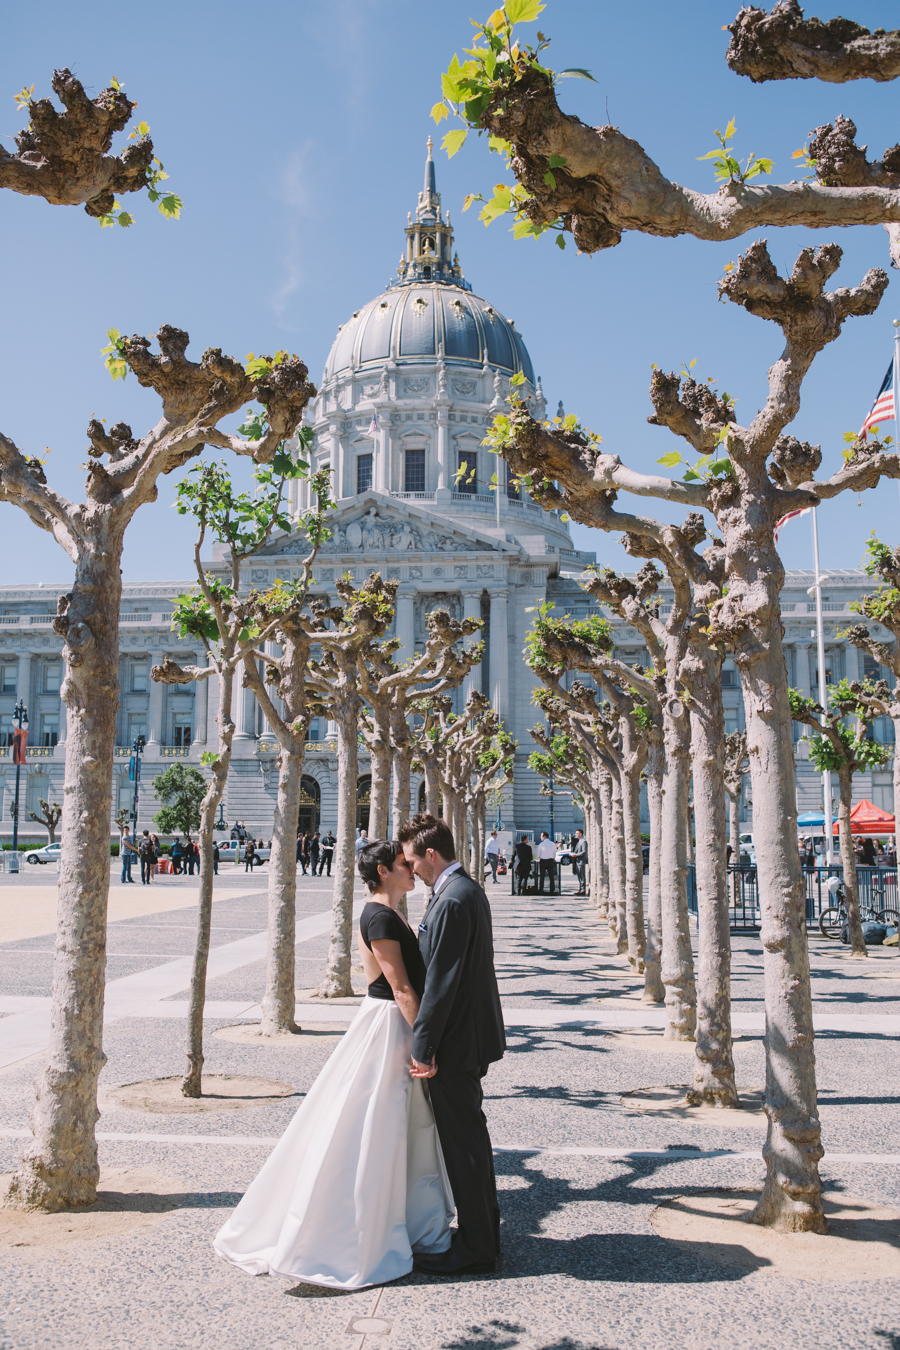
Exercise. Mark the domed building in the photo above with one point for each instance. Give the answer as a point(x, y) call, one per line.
point(411, 383)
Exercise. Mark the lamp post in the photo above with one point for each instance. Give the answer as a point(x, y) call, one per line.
point(20, 715)
point(134, 773)
point(220, 823)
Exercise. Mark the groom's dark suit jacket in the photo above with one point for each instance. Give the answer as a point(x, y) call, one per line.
point(460, 1020)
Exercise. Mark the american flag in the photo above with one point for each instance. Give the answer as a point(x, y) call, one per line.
point(791, 515)
point(883, 407)
point(373, 427)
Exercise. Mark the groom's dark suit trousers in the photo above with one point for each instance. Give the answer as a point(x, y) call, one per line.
point(466, 1145)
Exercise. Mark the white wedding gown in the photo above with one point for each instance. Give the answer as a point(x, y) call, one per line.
point(357, 1182)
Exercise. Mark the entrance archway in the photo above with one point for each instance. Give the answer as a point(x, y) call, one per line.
point(310, 803)
point(363, 801)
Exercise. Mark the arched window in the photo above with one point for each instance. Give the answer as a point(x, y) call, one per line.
point(363, 801)
point(310, 804)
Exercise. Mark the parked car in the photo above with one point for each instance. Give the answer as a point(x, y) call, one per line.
point(48, 854)
point(232, 850)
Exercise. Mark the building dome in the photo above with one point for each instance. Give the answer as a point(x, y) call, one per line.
point(414, 322)
point(429, 312)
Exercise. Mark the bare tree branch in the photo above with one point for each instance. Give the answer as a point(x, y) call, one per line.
point(782, 45)
point(63, 157)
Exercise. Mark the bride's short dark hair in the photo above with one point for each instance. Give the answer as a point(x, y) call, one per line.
point(380, 853)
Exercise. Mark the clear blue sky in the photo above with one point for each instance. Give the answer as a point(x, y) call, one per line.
point(295, 133)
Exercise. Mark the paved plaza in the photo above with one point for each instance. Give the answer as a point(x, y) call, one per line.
point(581, 1167)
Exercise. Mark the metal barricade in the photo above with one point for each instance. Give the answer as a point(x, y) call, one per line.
point(877, 892)
point(11, 862)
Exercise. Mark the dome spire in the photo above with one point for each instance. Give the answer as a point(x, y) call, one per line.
point(429, 252)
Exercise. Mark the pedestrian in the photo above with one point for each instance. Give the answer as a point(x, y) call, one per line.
point(145, 852)
point(304, 852)
point(546, 856)
point(580, 858)
point(362, 840)
point(215, 852)
point(177, 854)
point(127, 851)
point(192, 857)
point(492, 855)
point(328, 844)
point(314, 851)
point(249, 855)
point(523, 860)
point(155, 855)
point(892, 852)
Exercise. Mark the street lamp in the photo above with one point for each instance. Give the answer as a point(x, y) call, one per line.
point(20, 743)
point(220, 823)
point(134, 774)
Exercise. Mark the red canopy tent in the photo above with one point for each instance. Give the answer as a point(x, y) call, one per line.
point(867, 818)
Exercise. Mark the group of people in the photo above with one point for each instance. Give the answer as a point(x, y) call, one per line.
point(547, 855)
point(869, 852)
point(315, 852)
point(148, 850)
point(391, 1138)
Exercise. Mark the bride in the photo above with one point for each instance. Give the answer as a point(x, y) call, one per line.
point(357, 1182)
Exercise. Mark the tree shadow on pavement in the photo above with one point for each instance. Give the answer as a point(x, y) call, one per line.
point(496, 1335)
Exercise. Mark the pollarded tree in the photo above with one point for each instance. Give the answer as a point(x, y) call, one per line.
point(49, 818)
point(737, 766)
point(597, 183)
point(575, 760)
point(457, 742)
point(390, 690)
point(223, 620)
point(288, 709)
point(357, 623)
point(882, 606)
point(64, 157)
point(845, 751)
point(60, 1167)
point(424, 736)
point(492, 772)
point(181, 789)
point(748, 477)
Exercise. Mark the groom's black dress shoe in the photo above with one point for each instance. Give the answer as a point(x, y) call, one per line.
point(451, 1263)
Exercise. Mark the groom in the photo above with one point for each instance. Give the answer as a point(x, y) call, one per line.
point(457, 1034)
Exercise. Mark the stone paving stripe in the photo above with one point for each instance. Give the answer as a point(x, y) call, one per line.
point(531, 1150)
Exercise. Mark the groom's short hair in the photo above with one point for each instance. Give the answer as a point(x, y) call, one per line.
point(426, 831)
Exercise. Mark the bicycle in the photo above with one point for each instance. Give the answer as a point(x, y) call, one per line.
point(834, 921)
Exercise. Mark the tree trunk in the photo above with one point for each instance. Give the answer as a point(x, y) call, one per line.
point(713, 1083)
point(59, 1169)
point(279, 999)
point(792, 1195)
point(896, 722)
point(654, 989)
point(848, 858)
point(677, 959)
point(402, 794)
point(634, 867)
point(337, 982)
point(379, 805)
point(192, 1083)
point(618, 900)
point(461, 827)
point(735, 841)
point(432, 787)
point(609, 910)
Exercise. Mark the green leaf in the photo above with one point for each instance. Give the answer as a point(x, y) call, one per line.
point(557, 161)
point(518, 378)
point(690, 476)
point(170, 206)
point(454, 140)
point(730, 130)
point(560, 241)
point(575, 73)
point(498, 146)
point(125, 219)
point(671, 459)
point(711, 154)
point(550, 180)
point(440, 111)
point(523, 11)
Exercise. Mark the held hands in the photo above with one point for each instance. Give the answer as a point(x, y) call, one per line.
point(418, 1070)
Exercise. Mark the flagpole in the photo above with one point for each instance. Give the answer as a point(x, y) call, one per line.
point(897, 388)
point(823, 694)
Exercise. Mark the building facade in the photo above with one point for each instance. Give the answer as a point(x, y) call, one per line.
point(412, 381)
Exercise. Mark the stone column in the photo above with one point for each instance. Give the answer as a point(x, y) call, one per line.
point(23, 680)
point(381, 469)
point(201, 712)
point(472, 610)
point(499, 640)
point(443, 449)
point(246, 711)
point(155, 708)
point(801, 668)
point(405, 626)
